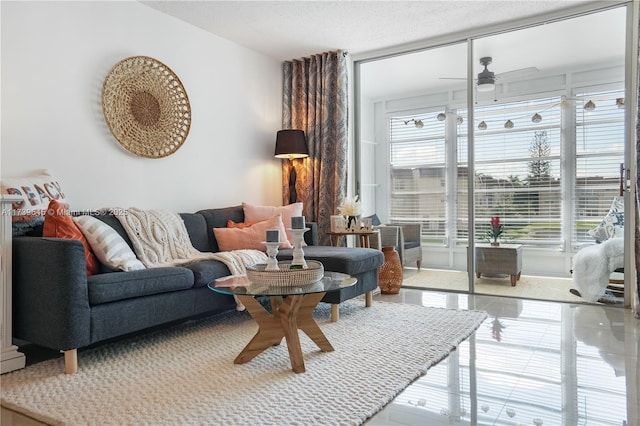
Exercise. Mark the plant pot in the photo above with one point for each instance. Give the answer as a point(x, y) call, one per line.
point(495, 244)
point(390, 273)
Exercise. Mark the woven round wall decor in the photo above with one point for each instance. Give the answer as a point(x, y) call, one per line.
point(146, 107)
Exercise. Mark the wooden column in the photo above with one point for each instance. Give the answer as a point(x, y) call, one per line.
point(10, 358)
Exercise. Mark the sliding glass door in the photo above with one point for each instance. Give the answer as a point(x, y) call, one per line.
point(409, 159)
point(544, 154)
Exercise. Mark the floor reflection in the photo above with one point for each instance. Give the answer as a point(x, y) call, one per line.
point(545, 363)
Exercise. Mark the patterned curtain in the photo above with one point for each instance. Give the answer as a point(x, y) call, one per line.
point(315, 99)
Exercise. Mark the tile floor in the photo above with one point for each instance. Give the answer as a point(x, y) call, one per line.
point(530, 363)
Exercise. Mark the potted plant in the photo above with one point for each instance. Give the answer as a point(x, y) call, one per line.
point(496, 230)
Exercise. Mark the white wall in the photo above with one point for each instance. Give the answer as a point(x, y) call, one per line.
point(55, 56)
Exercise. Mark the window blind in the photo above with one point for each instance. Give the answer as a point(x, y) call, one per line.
point(418, 179)
point(599, 154)
point(518, 172)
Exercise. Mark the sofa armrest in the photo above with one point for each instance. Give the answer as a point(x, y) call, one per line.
point(311, 236)
point(50, 295)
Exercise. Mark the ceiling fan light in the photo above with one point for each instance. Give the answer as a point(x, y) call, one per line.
point(486, 78)
point(536, 118)
point(485, 87)
point(419, 124)
point(482, 125)
point(441, 117)
point(589, 106)
point(508, 124)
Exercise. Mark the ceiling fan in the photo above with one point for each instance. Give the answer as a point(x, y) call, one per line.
point(486, 80)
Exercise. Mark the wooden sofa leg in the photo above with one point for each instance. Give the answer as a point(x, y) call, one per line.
point(368, 299)
point(335, 314)
point(71, 361)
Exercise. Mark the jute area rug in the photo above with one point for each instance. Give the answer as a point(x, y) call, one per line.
point(185, 374)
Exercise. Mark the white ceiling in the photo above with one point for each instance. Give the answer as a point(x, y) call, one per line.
point(286, 30)
point(590, 42)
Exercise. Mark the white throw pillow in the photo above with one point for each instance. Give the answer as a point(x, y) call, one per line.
point(112, 250)
point(37, 191)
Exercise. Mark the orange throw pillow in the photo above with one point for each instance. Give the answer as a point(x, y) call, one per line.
point(58, 223)
point(232, 224)
point(250, 237)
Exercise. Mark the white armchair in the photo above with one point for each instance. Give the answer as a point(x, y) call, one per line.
point(406, 238)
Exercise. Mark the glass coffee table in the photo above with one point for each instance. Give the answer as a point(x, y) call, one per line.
point(292, 309)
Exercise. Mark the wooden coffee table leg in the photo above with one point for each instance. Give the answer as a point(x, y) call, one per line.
point(288, 315)
point(289, 321)
point(309, 325)
point(269, 333)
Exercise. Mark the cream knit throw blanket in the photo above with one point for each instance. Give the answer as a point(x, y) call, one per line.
point(160, 238)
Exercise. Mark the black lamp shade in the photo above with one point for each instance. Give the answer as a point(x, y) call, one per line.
point(291, 144)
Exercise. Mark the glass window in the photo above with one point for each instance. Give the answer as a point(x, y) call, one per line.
point(418, 180)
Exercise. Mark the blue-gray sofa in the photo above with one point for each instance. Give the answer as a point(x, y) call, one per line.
point(57, 306)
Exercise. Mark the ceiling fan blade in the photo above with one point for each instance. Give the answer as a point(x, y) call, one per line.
point(521, 72)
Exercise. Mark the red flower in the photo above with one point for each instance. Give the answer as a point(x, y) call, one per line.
point(495, 222)
point(496, 228)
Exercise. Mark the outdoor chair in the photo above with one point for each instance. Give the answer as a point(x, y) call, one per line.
point(405, 237)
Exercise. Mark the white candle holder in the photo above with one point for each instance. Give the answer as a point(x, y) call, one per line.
point(298, 254)
point(272, 252)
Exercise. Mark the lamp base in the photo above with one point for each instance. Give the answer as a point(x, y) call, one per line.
point(293, 196)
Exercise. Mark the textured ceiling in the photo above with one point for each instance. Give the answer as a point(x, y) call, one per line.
point(287, 30)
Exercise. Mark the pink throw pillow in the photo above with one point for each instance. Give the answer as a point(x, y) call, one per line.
point(250, 237)
point(253, 213)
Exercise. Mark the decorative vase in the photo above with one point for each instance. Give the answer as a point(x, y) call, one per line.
point(390, 273)
point(352, 223)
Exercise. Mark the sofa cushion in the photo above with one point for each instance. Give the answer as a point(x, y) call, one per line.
point(58, 223)
point(412, 244)
point(104, 288)
point(108, 246)
point(613, 222)
point(348, 260)
point(207, 271)
point(217, 218)
point(111, 220)
point(253, 213)
point(197, 229)
point(250, 237)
